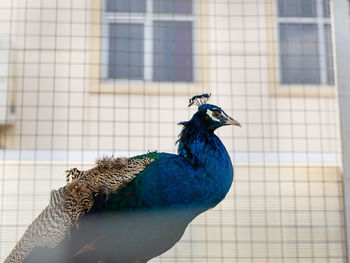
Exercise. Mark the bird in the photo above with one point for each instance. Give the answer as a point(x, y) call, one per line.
point(134, 209)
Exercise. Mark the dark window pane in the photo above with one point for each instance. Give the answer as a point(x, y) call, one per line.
point(126, 6)
point(326, 8)
point(172, 58)
point(329, 54)
point(125, 60)
point(299, 54)
point(172, 6)
point(297, 8)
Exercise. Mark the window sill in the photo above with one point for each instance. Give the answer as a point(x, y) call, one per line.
point(316, 91)
point(149, 88)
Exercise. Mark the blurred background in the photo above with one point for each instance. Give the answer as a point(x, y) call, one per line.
point(86, 78)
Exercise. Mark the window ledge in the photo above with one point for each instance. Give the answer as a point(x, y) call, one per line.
point(317, 91)
point(149, 87)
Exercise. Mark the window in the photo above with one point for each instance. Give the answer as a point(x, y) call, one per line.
point(149, 40)
point(150, 47)
point(305, 42)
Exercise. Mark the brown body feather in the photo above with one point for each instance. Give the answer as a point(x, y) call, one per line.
point(69, 203)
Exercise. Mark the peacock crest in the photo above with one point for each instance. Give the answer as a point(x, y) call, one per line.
point(199, 100)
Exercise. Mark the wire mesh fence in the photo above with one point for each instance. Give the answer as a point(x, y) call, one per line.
point(82, 79)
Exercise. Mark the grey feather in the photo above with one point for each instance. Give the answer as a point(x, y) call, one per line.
point(71, 202)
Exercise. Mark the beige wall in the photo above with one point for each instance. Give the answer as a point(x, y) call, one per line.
point(56, 110)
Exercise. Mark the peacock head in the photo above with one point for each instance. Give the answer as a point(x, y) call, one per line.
point(208, 115)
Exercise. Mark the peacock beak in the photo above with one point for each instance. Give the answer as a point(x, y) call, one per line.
point(231, 121)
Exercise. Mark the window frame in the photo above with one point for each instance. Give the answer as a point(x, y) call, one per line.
point(200, 48)
point(276, 88)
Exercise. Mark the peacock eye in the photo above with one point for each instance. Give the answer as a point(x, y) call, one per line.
point(217, 113)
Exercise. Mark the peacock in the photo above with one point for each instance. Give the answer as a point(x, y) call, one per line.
point(134, 209)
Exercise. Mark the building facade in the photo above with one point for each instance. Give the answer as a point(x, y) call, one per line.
point(86, 78)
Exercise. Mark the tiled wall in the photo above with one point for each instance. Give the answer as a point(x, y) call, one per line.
point(56, 110)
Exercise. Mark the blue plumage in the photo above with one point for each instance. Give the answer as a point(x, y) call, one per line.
point(200, 176)
point(149, 215)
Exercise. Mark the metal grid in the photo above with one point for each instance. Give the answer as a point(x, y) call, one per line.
point(286, 202)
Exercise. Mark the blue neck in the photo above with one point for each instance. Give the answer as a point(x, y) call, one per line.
point(203, 148)
point(200, 145)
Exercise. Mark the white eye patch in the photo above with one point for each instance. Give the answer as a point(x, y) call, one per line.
point(223, 113)
point(210, 114)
